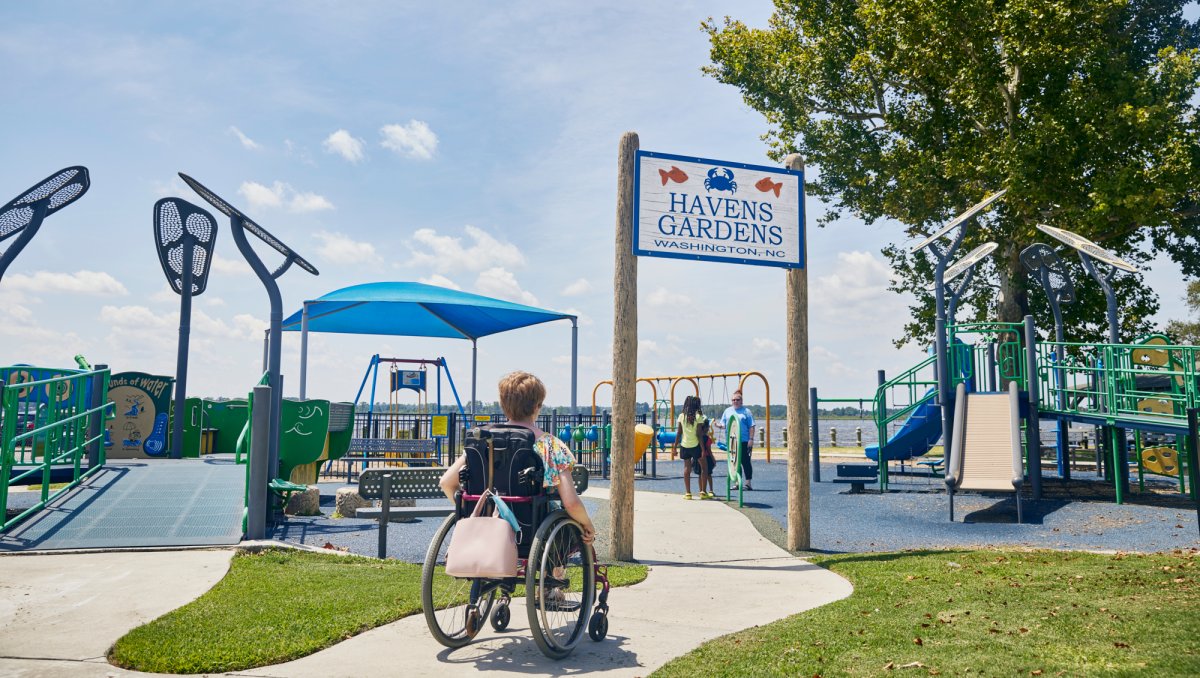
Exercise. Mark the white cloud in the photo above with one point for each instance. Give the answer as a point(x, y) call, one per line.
point(227, 266)
point(413, 139)
point(140, 322)
point(247, 143)
point(341, 249)
point(13, 306)
point(292, 150)
point(760, 347)
point(501, 283)
point(647, 348)
point(214, 302)
point(584, 320)
point(831, 363)
point(80, 282)
point(164, 295)
point(439, 280)
point(693, 364)
point(309, 202)
point(581, 286)
point(250, 325)
point(861, 276)
point(663, 297)
point(260, 196)
point(346, 145)
point(446, 254)
point(280, 194)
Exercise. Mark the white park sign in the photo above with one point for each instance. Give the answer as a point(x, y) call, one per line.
point(711, 210)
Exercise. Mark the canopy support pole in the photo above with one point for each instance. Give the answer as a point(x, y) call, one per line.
point(474, 368)
point(574, 366)
point(304, 351)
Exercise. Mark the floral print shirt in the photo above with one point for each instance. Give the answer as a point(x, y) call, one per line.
point(557, 459)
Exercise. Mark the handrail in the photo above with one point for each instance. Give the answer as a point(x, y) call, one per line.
point(63, 434)
point(906, 379)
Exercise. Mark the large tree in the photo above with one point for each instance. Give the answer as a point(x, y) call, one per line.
point(915, 109)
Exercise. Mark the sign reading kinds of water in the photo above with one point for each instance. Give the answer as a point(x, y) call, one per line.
point(712, 210)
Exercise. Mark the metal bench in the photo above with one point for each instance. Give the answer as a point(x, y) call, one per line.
point(405, 483)
point(416, 483)
point(857, 475)
point(412, 451)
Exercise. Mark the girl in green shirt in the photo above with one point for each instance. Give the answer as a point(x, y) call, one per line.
point(687, 445)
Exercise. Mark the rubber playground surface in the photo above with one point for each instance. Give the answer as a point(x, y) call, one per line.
point(1078, 515)
point(916, 515)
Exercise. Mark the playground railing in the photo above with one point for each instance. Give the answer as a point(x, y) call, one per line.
point(1117, 382)
point(46, 430)
point(993, 355)
point(897, 399)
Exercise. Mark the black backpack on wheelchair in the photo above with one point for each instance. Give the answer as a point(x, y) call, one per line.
point(516, 471)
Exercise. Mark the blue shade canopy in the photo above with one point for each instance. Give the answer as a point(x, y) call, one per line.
point(412, 309)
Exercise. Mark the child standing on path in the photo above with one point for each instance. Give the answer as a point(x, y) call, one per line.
point(687, 439)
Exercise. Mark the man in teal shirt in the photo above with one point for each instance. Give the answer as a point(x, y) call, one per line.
point(746, 426)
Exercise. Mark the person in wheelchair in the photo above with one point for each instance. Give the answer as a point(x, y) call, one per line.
point(535, 473)
point(521, 398)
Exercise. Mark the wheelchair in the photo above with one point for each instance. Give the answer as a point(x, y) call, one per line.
point(558, 570)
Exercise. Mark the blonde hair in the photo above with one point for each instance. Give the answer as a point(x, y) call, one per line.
point(521, 395)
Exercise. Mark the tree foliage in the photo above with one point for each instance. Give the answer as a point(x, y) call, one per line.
point(915, 109)
point(1188, 331)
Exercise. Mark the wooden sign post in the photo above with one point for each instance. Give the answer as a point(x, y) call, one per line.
point(685, 207)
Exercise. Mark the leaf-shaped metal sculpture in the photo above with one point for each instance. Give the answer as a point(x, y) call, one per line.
point(250, 225)
point(178, 226)
point(22, 216)
point(1088, 251)
point(1043, 263)
point(184, 236)
point(240, 224)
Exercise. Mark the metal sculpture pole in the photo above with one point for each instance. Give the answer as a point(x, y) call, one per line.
point(23, 216)
point(941, 258)
point(1089, 254)
point(185, 236)
point(1041, 261)
point(240, 224)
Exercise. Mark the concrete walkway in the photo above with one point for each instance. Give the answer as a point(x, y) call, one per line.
point(711, 574)
point(59, 614)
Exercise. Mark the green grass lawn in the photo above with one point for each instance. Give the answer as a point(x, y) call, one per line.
point(278, 605)
point(980, 613)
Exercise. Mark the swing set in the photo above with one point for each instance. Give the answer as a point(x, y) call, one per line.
point(400, 379)
point(666, 405)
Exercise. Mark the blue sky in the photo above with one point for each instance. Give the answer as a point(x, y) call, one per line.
point(466, 144)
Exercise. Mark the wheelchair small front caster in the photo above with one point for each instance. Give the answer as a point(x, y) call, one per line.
point(501, 616)
point(598, 626)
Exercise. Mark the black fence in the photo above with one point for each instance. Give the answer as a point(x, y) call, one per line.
point(385, 439)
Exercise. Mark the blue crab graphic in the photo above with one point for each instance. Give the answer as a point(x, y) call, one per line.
point(720, 179)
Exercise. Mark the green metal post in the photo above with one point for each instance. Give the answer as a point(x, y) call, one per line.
point(8, 401)
point(1116, 461)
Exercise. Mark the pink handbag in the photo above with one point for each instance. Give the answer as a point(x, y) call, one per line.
point(483, 547)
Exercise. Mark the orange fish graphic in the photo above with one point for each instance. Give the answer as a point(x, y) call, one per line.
point(766, 185)
point(677, 175)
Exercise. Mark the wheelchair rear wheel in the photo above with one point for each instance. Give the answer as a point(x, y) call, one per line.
point(560, 585)
point(455, 609)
